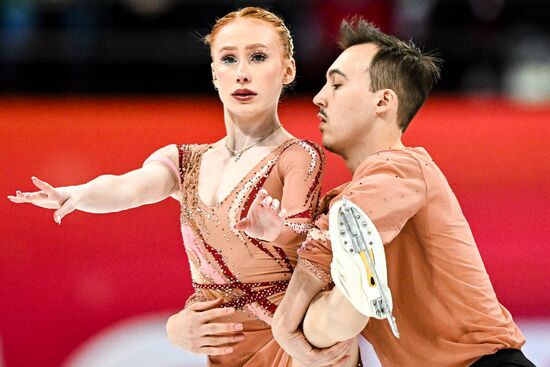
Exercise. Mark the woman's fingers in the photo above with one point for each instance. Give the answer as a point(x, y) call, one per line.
point(52, 193)
point(17, 199)
point(23, 197)
point(242, 225)
point(260, 196)
point(38, 195)
point(67, 207)
point(42, 185)
point(267, 201)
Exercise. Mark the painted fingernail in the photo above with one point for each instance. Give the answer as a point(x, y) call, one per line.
point(239, 327)
point(229, 350)
point(240, 337)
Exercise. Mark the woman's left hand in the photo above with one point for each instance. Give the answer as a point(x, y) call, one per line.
point(265, 218)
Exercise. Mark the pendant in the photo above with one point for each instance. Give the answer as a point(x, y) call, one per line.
point(237, 157)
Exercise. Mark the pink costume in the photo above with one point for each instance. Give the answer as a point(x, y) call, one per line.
point(250, 275)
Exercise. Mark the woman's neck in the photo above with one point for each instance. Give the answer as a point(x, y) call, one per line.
point(242, 132)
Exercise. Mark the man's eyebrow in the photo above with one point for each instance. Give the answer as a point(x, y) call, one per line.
point(331, 72)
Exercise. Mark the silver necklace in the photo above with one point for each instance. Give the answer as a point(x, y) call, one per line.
point(239, 153)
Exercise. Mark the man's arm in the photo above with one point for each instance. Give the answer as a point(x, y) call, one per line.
point(265, 220)
point(303, 287)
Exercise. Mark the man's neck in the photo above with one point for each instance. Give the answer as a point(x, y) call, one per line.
point(357, 154)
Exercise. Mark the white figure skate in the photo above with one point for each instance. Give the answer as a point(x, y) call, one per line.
point(358, 265)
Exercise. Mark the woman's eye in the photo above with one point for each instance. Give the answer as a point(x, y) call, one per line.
point(259, 57)
point(229, 59)
point(336, 86)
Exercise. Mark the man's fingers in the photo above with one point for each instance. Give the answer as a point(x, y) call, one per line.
point(216, 313)
point(215, 351)
point(335, 352)
point(215, 341)
point(206, 305)
point(342, 361)
point(221, 328)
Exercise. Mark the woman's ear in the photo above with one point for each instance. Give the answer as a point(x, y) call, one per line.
point(214, 79)
point(290, 71)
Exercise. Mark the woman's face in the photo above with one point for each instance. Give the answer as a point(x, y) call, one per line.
point(249, 67)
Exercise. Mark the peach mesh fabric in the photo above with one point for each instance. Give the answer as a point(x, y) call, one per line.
point(445, 306)
point(248, 274)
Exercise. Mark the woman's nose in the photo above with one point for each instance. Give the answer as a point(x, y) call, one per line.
point(242, 74)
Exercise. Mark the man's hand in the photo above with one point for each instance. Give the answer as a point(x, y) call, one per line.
point(193, 329)
point(265, 220)
point(305, 355)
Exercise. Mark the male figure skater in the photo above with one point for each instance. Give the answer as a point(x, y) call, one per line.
point(444, 305)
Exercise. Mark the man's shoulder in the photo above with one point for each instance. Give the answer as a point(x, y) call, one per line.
point(406, 160)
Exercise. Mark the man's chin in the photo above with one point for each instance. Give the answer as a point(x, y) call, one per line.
point(328, 146)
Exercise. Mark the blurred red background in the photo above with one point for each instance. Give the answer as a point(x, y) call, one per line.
point(60, 285)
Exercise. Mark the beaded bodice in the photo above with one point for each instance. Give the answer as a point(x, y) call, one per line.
point(251, 275)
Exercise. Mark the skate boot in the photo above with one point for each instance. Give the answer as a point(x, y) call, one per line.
point(358, 266)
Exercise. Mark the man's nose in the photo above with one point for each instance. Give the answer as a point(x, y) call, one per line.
point(319, 99)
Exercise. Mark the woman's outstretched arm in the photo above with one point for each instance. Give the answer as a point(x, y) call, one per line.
point(153, 182)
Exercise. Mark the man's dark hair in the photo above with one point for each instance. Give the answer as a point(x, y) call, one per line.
point(398, 65)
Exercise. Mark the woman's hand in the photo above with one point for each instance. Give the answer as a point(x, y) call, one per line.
point(62, 199)
point(265, 220)
point(194, 329)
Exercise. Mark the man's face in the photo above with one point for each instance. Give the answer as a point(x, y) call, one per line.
point(347, 106)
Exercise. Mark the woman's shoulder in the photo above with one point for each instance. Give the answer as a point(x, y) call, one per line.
point(191, 146)
point(303, 147)
point(302, 153)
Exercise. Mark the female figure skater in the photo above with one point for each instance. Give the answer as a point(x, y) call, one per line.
point(238, 280)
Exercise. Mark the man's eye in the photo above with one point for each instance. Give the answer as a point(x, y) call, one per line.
point(258, 57)
point(229, 59)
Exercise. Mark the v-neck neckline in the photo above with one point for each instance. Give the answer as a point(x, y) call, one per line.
point(254, 169)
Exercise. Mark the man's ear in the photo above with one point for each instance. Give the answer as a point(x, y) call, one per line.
point(387, 99)
point(290, 71)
